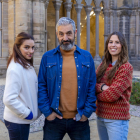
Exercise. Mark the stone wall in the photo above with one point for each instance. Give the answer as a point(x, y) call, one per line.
point(132, 35)
point(5, 48)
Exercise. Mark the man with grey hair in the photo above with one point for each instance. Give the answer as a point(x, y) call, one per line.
point(66, 86)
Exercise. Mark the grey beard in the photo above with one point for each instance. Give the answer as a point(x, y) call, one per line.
point(67, 47)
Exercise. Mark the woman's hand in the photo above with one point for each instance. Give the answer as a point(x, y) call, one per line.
point(105, 87)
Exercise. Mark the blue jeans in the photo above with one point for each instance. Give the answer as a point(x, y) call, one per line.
point(112, 129)
point(17, 131)
point(56, 129)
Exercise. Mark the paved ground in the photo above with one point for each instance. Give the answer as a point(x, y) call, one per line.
point(134, 131)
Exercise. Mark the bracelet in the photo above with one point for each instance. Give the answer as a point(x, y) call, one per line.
point(102, 86)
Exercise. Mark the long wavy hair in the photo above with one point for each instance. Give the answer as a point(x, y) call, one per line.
point(123, 58)
point(16, 54)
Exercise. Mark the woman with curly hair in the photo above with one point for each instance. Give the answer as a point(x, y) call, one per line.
point(113, 89)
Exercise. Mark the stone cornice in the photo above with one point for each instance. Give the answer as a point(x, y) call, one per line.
point(88, 9)
point(46, 3)
point(125, 12)
point(57, 4)
point(78, 7)
point(97, 10)
point(68, 6)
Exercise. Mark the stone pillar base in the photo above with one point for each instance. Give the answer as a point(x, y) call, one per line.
point(96, 63)
point(97, 58)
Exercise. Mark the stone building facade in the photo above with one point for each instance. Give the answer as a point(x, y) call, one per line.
point(95, 20)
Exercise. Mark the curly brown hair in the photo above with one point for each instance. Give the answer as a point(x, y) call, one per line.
point(123, 58)
point(16, 54)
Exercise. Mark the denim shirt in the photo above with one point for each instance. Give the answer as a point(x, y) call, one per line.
point(50, 79)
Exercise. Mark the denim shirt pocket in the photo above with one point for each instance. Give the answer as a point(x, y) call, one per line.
point(86, 69)
point(51, 70)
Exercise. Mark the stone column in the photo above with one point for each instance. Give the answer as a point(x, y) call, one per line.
point(21, 8)
point(97, 12)
point(4, 29)
point(88, 9)
point(38, 31)
point(106, 15)
point(57, 5)
point(68, 6)
point(118, 19)
point(78, 8)
point(137, 33)
point(46, 3)
point(124, 26)
point(115, 4)
point(111, 21)
point(11, 24)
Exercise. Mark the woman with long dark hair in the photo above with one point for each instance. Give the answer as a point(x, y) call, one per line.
point(20, 95)
point(113, 89)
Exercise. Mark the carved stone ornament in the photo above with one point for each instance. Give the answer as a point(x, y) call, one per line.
point(88, 9)
point(133, 13)
point(118, 13)
point(57, 4)
point(125, 13)
point(106, 13)
point(68, 6)
point(78, 1)
point(125, 2)
point(88, 2)
point(111, 13)
point(97, 10)
point(111, 3)
point(137, 13)
point(46, 2)
point(135, 4)
point(78, 7)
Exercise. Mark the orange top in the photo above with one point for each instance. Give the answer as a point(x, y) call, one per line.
point(69, 91)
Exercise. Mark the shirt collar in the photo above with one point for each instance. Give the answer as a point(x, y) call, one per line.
point(114, 63)
point(57, 49)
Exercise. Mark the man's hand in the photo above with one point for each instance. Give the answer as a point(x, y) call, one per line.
point(105, 87)
point(83, 119)
point(53, 116)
